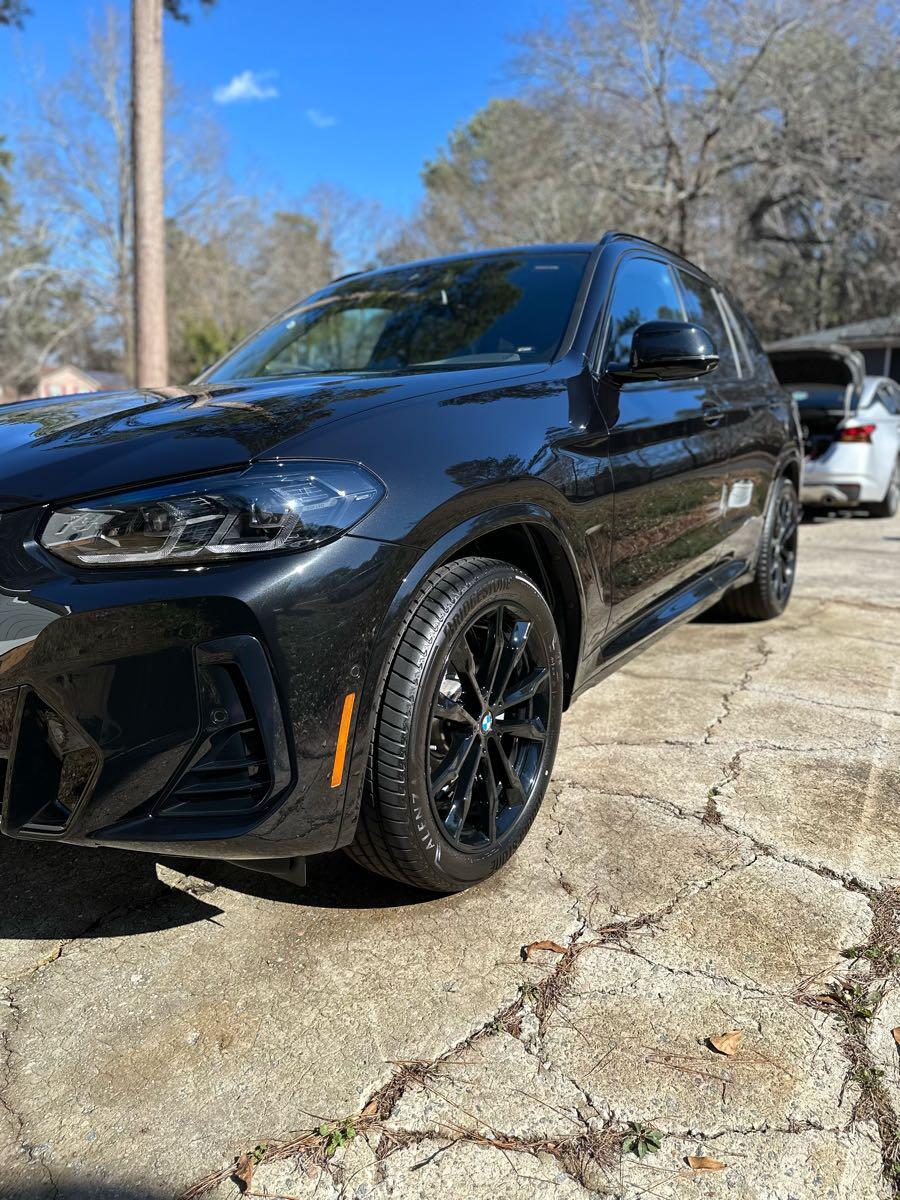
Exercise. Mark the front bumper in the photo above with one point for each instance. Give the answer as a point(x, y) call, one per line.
point(190, 712)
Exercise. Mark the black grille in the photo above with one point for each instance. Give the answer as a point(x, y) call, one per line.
point(52, 770)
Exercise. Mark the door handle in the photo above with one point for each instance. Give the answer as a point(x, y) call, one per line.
point(712, 412)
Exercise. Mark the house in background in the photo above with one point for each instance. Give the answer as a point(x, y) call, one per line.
point(69, 380)
point(878, 340)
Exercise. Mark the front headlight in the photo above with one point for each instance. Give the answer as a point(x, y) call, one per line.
point(270, 506)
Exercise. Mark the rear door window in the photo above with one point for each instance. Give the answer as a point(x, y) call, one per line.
point(701, 306)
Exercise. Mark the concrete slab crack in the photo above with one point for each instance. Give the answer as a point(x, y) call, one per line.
point(763, 655)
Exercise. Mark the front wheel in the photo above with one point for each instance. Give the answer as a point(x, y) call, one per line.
point(769, 591)
point(466, 732)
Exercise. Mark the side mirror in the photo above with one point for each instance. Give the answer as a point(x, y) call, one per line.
point(667, 350)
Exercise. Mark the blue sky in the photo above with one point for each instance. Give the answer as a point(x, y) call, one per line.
point(353, 93)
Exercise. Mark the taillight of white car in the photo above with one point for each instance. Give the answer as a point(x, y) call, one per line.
point(856, 433)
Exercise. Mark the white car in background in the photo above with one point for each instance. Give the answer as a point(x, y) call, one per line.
point(851, 427)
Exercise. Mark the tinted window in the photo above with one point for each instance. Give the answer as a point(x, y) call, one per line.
point(894, 372)
point(701, 307)
point(643, 290)
point(874, 356)
point(821, 395)
point(486, 311)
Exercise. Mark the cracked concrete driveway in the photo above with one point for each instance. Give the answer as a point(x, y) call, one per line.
point(718, 851)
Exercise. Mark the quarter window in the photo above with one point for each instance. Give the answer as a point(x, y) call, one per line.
point(643, 290)
point(759, 360)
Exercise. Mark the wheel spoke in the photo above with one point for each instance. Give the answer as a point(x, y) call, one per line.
point(513, 650)
point(451, 710)
point(515, 796)
point(527, 689)
point(531, 728)
point(452, 765)
point(493, 794)
point(787, 526)
point(494, 650)
point(455, 820)
point(462, 658)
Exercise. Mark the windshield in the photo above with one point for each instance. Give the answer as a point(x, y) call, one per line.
point(508, 308)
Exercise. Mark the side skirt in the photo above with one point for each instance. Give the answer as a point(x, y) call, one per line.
point(673, 610)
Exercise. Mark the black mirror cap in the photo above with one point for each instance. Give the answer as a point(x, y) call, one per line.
point(667, 350)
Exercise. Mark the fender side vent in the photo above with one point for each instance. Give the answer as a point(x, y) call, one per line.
point(230, 769)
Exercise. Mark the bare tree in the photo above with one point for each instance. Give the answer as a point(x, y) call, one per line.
point(76, 176)
point(237, 271)
point(39, 307)
point(150, 329)
point(759, 137)
point(147, 75)
point(77, 173)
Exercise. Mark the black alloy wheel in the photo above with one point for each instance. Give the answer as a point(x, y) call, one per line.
point(467, 729)
point(489, 723)
point(783, 557)
point(768, 592)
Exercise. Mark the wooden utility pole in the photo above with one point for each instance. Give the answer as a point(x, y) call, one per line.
point(150, 327)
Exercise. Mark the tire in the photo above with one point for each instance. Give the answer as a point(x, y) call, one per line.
point(768, 593)
point(444, 692)
point(889, 506)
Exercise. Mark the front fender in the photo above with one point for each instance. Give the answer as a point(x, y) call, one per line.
point(394, 623)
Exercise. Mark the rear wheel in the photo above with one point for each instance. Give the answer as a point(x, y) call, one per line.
point(889, 506)
point(768, 593)
point(467, 729)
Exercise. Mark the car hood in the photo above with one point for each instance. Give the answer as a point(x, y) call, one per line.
point(52, 450)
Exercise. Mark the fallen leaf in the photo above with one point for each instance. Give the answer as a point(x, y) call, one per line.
point(896, 1034)
point(371, 1109)
point(243, 1172)
point(699, 1163)
point(727, 1043)
point(554, 946)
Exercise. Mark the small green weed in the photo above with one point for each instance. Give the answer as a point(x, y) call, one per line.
point(882, 956)
point(868, 1076)
point(641, 1139)
point(853, 1000)
point(336, 1136)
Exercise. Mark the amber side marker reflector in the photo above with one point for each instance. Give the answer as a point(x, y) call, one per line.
point(340, 753)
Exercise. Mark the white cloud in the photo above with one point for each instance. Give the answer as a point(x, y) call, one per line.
point(249, 85)
point(321, 120)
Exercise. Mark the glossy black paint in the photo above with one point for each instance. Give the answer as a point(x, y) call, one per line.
point(634, 504)
point(667, 350)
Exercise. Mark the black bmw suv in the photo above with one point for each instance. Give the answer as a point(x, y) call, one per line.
point(339, 590)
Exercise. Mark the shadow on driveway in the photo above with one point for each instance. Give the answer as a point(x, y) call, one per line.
point(62, 892)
